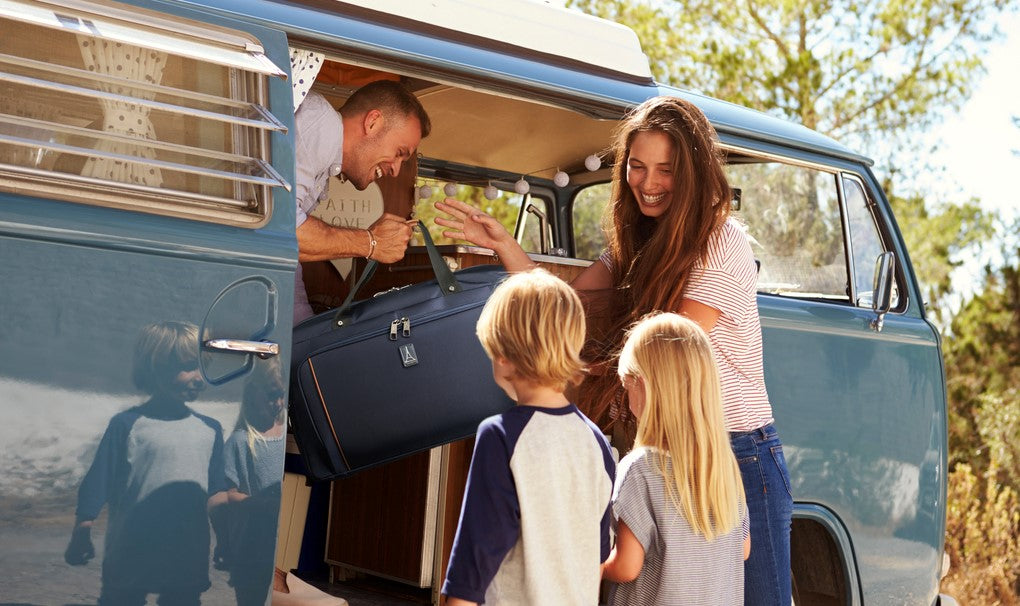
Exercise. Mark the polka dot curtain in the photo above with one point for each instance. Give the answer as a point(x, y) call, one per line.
point(304, 67)
point(133, 64)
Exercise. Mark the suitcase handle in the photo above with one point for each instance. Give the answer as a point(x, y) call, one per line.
point(444, 276)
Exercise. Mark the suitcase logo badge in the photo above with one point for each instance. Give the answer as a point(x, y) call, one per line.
point(408, 356)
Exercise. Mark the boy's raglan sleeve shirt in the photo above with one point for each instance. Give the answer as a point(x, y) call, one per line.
point(490, 522)
point(108, 472)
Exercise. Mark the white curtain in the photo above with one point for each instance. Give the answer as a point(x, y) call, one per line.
point(304, 67)
point(123, 118)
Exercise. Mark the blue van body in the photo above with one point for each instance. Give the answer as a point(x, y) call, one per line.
point(861, 411)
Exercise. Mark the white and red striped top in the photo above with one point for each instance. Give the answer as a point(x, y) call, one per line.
point(726, 279)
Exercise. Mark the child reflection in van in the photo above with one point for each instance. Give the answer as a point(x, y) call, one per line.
point(534, 525)
point(159, 467)
point(246, 525)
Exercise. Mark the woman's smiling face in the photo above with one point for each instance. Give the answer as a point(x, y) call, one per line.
point(650, 172)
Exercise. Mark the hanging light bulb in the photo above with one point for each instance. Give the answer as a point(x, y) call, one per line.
point(522, 187)
point(425, 191)
point(561, 178)
point(450, 189)
point(491, 193)
point(592, 162)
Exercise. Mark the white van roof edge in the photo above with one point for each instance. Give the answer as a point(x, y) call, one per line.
point(534, 25)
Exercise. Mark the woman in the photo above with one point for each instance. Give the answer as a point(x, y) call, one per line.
point(673, 247)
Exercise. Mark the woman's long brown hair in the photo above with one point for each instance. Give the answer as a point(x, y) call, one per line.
point(653, 258)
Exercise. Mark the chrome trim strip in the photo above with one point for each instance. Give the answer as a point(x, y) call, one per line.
point(157, 105)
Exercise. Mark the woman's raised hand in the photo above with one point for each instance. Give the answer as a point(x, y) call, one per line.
point(465, 222)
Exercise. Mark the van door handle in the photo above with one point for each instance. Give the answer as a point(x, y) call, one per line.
point(262, 349)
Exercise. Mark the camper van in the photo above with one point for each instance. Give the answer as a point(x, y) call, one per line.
point(147, 246)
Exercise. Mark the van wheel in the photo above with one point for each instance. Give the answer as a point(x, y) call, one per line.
point(817, 566)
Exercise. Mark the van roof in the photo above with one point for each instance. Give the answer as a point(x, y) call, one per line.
point(533, 26)
point(525, 49)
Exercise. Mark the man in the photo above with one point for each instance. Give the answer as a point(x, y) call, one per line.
point(377, 129)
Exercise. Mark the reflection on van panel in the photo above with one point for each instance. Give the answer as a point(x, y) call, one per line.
point(146, 171)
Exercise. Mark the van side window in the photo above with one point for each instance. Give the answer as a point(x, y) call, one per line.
point(588, 208)
point(126, 108)
point(793, 219)
point(865, 242)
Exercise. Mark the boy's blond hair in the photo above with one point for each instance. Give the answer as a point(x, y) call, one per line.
point(535, 321)
point(683, 416)
point(162, 350)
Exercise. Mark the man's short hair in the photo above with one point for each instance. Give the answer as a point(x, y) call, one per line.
point(389, 97)
point(536, 322)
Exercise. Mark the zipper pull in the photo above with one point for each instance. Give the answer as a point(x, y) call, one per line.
point(407, 326)
point(393, 329)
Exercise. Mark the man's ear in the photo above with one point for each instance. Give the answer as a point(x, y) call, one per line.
point(372, 122)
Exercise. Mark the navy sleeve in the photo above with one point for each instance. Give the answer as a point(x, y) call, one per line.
point(490, 518)
point(607, 517)
point(108, 472)
point(610, 464)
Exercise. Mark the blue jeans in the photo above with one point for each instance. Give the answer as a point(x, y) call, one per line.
point(770, 504)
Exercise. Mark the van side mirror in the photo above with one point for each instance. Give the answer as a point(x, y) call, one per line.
point(881, 301)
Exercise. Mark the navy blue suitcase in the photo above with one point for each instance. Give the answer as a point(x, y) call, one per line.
point(392, 375)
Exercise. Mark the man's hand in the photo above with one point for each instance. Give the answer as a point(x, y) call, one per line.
point(391, 236)
point(79, 549)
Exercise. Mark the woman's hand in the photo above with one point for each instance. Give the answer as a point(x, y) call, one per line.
point(465, 222)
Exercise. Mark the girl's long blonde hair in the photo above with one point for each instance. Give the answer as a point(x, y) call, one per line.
point(683, 418)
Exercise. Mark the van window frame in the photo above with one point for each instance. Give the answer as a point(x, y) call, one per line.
point(245, 106)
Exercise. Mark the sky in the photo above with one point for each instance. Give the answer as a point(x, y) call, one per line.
point(977, 144)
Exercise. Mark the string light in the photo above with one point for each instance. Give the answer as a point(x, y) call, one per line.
point(561, 179)
point(491, 193)
point(450, 189)
point(425, 191)
point(521, 186)
point(592, 162)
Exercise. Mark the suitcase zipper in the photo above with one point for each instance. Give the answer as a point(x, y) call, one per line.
point(393, 328)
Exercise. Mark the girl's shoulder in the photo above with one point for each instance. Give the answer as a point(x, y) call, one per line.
point(640, 459)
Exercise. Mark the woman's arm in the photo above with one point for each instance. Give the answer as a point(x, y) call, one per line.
point(626, 559)
point(705, 315)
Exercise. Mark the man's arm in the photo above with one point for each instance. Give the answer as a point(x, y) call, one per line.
point(318, 241)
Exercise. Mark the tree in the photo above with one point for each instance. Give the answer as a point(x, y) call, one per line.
point(982, 356)
point(848, 68)
point(939, 234)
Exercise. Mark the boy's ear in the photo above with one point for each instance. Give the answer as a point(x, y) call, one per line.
point(504, 367)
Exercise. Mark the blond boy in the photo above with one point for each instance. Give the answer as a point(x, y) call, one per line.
point(534, 527)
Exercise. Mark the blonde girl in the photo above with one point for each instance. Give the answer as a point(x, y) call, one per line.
point(682, 523)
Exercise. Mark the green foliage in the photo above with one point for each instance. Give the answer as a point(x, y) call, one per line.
point(938, 236)
point(982, 355)
point(588, 214)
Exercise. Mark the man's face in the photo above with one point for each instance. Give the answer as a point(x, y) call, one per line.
point(387, 143)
